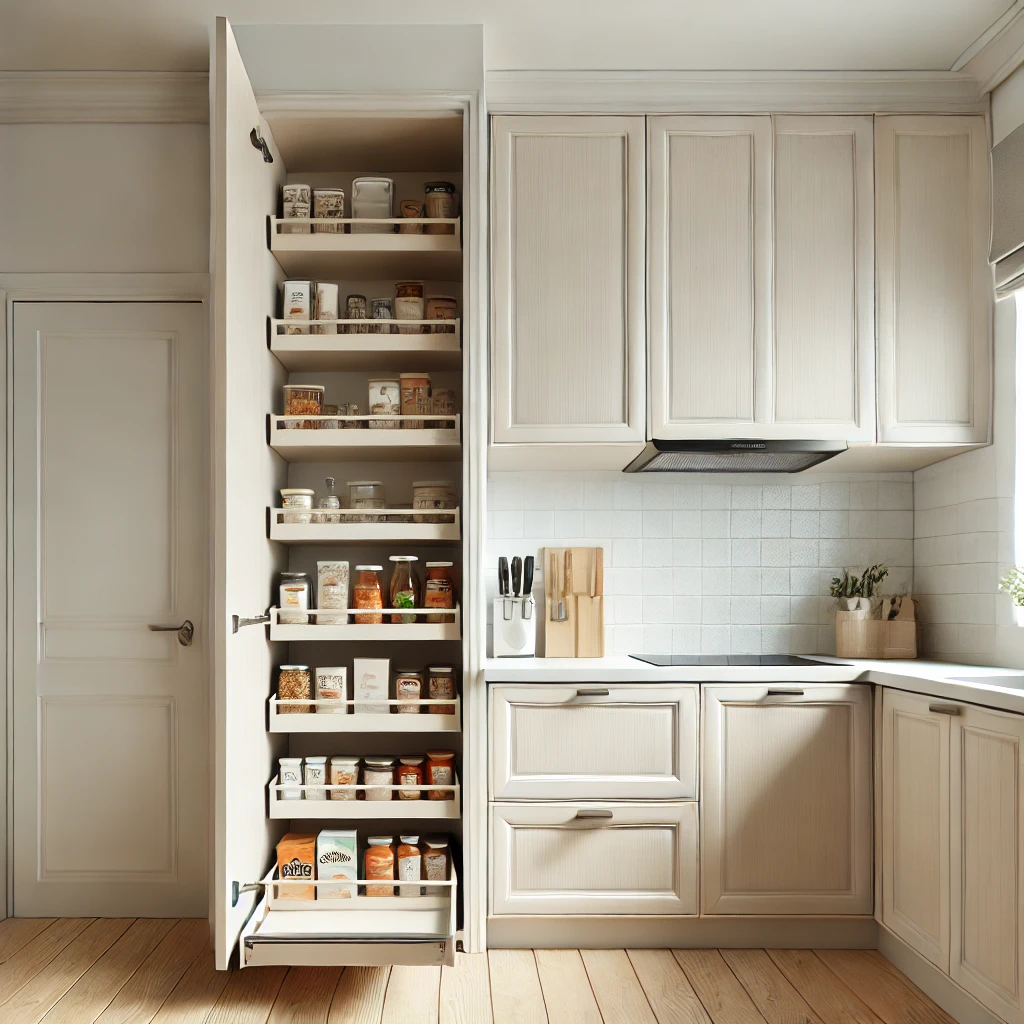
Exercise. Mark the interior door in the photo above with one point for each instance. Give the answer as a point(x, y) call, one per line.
point(110, 537)
point(247, 383)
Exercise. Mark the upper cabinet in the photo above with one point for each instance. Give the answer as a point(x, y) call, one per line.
point(568, 279)
point(934, 281)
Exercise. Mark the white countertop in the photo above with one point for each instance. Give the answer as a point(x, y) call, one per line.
point(940, 679)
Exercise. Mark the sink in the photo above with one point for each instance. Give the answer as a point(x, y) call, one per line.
point(1010, 682)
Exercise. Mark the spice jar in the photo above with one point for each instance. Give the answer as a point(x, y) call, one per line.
point(378, 771)
point(296, 302)
point(415, 397)
point(410, 865)
point(442, 307)
point(433, 494)
point(367, 593)
point(290, 774)
point(329, 500)
point(410, 209)
point(435, 863)
point(440, 772)
point(385, 400)
point(355, 309)
point(442, 403)
point(328, 204)
point(441, 683)
point(409, 305)
point(408, 687)
point(315, 775)
point(440, 200)
point(302, 400)
point(294, 601)
point(410, 773)
point(295, 201)
point(294, 683)
point(331, 687)
point(381, 309)
point(366, 494)
point(373, 197)
point(344, 772)
point(439, 592)
point(404, 591)
point(379, 865)
point(297, 498)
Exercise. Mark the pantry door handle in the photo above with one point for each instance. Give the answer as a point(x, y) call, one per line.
point(945, 709)
point(785, 693)
point(583, 815)
point(186, 631)
point(595, 691)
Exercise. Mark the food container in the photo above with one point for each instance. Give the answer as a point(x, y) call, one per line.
point(355, 309)
point(296, 855)
point(332, 593)
point(353, 410)
point(290, 774)
point(410, 773)
point(442, 307)
point(381, 308)
point(326, 304)
point(442, 403)
point(330, 500)
point(344, 772)
point(294, 683)
point(441, 685)
point(378, 771)
point(331, 690)
point(404, 591)
point(439, 591)
point(364, 495)
point(440, 772)
point(409, 305)
point(415, 397)
point(302, 400)
point(410, 209)
point(408, 687)
point(410, 865)
point(367, 594)
point(379, 865)
point(328, 203)
point(385, 400)
point(434, 495)
point(295, 203)
point(297, 498)
point(336, 861)
point(370, 678)
point(315, 775)
point(440, 199)
point(372, 197)
point(435, 863)
point(294, 606)
point(296, 303)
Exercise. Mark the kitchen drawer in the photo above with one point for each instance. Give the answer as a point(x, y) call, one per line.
point(612, 858)
point(626, 742)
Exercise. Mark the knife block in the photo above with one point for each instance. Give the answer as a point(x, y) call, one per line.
point(581, 635)
point(515, 627)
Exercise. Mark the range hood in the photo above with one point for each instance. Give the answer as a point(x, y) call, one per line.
point(733, 456)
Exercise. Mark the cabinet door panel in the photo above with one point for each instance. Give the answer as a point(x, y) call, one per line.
point(787, 800)
point(915, 824)
point(568, 279)
point(934, 282)
point(710, 273)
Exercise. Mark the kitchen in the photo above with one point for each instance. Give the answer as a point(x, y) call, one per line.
point(658, 487)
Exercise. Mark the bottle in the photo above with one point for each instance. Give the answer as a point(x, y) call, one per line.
point(329, 500)
point(410, 865)
point(379, 864)
point(404, 590)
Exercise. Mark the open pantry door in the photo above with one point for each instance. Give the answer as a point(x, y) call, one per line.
point(246, 379)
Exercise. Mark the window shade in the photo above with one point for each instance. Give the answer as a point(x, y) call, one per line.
point(1008, 212)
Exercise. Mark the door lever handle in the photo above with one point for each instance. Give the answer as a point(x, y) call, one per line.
point(186, 631)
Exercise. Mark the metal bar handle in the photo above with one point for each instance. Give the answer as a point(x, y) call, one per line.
point(785, 693)
point(593, 691)
point(238, 621)
point(186, 631)
point(945, 709)
point(598, 813)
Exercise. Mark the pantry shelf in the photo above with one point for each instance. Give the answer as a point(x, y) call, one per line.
point(438, 899)
point(441, 443)
point(353, 531)
point(350, 810)
point(390, 631)
point(355, 721)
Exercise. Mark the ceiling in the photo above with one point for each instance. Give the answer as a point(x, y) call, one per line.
point(811, 35)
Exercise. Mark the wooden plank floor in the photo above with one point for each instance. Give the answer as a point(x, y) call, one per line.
point(138, 971)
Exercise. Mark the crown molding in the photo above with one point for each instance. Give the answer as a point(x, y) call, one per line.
point(719, 92)
point(140, 97)
point(1000, 52)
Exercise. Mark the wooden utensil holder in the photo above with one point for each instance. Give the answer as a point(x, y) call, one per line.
point(881, 639)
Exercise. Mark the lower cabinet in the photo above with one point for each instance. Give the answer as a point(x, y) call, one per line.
point(786, 798)
point(608, 858)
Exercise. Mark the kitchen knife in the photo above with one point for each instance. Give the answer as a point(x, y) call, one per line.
point(504, 588)
point(528, 576)
point(517, 575)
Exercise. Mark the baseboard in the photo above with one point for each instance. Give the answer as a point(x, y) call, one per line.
point(592, 932)
point(929, 979)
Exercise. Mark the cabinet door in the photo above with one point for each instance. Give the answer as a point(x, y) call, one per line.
point(935, 288)
point(568, 279)
point(987, 770)
point(589, 859)
point(710, 275)
point(915, 822)
point(786, 799)
point(823, 365)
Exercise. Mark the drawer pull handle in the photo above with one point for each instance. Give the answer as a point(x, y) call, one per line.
point(583, 815)
point(593, 691)
point(945, 709)
point(785, 693)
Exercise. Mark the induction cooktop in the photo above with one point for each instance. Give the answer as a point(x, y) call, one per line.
point(729, 660)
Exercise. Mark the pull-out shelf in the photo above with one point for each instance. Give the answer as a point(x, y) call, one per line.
point(345, 810)
point(317, 720)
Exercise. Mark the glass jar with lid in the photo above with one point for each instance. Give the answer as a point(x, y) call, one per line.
point(366, 495)
point(302, 400)
point(440, 772)
point(295, 602)
point(409, 688)
point(433, 495)
point(435, 863)
point(294, 682)
point(410, 773)
point(439, 591)
point(330, 500)
point(378, 771)
point(441, 685)
point(300, 498)
point(367, 593)
point(404, 591)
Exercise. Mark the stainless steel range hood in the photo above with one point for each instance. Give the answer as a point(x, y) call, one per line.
point(733, 456)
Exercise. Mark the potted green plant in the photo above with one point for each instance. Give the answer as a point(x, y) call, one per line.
point(1013, 584)
point(854, 592)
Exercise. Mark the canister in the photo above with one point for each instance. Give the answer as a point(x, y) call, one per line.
point(295, 203)
point(441, 200)
point(385, 400)
point(328, 203)
point(326, 307)
point(409, 305)
point(372, 197)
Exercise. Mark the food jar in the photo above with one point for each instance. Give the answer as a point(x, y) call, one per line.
point(366, 494)
point(440, 200)
point(355, 309)
point(328, 204)
point(442, 307)
point(295, 599)
point(379, 865)
point(302, 400)
point(315, 775)
point(295, 202)
point(378, 771)
point(333, 411)
point(353, 410)
point(329, 500)
point(404, 591)
point(290, 774)
point(297, 498)
point(442, 403)
point(410, 209)
point(296, 304)
point(385, 400)
point(408, 687)
point(435, 863)
point(410, 865)
point(415, 397)
point(441, 686)
point(440, 772)
point(410, 773)
point(326, 303)
point(331, 689)
point(344, 772)
point(438, 591)
point(294, 683)
point(381, 309)
point(409, 305)
point(434, 495)
point(373, 197)
point(367, 593)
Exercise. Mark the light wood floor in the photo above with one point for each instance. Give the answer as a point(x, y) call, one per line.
point(78, 971)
